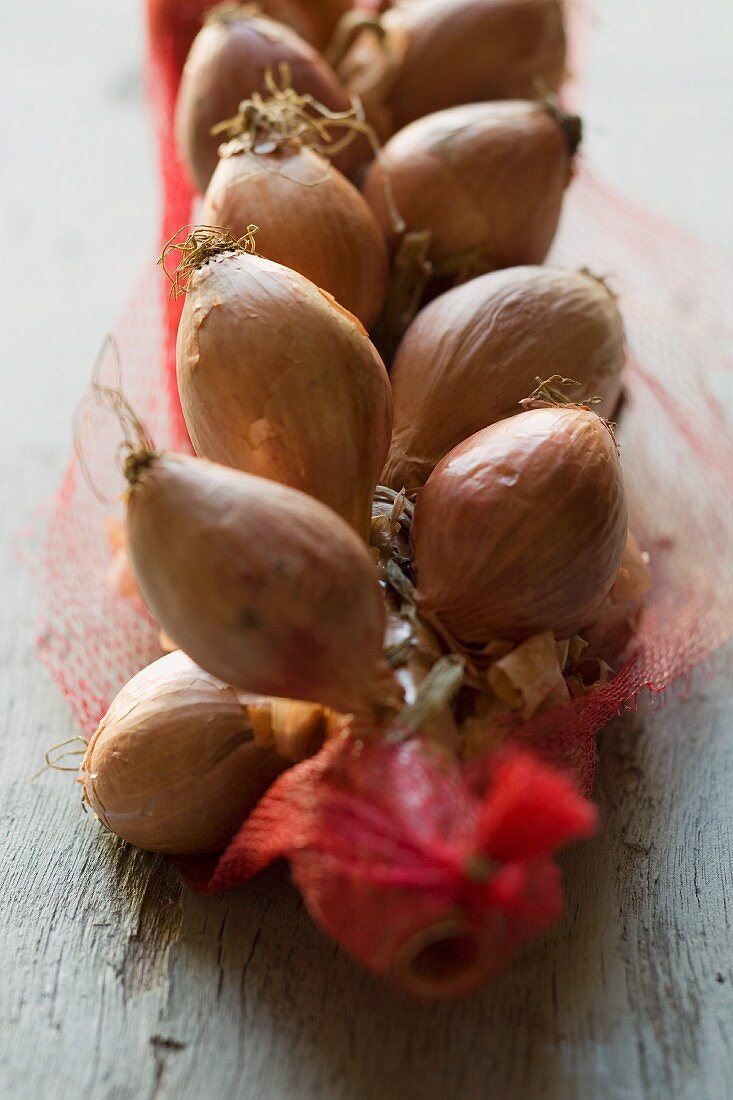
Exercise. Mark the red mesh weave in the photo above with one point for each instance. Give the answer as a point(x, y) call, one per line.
point(676, 441)
point(382, 840)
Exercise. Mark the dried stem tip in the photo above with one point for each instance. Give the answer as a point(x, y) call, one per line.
point(136, 450)
point(437, 690)
point(57, 753)
point(571, 125)
point(550, 393)
point(351, 25)
point(136, 463)
point(203, 243)
point(230, 11)
point(265, 123)
point(602, 280)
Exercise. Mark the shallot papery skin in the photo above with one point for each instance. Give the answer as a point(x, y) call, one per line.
point(522, 527)
point(618, 620)
point(276, 379)
point(228, 62)
point(474, 353)
point(421, 650)
point(422, 878)
point(310, 219)
point(444, 53)
point(173, 766)
point(262, 586)
point(486, 180)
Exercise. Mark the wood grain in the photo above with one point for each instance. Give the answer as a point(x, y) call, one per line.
point(117, 982)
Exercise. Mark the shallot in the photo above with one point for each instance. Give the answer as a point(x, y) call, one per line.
point(422, 57)
point(470, 357)
point(486, 182)
point(522, 528)
point(261, 585)
point(279, 380)
point(311, 218)
point(228, 62)
point(174, 766)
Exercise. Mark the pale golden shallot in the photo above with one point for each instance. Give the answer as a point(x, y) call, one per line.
point(277, 379)
point(174, 766)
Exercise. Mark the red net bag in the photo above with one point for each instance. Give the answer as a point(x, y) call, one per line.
point(675, 434)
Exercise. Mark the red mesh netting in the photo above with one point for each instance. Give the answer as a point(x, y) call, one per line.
point(676, 442)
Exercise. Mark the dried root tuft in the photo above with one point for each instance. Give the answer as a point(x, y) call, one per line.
point(284, 117)
point(202, 243)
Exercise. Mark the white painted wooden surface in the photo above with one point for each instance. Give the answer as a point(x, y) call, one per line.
point(116, 982)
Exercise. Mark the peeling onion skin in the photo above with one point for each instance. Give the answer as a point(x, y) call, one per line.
point(522, 528)
point(310, 218)
point(262, 586)
point(450, 52)
point(173, 766)
point(278, 380)
point(488, 177)
point(227, 63)
point(474, 353)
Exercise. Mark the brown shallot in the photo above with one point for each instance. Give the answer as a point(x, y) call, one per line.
point(423, 57)
point(521, 529)
point(228, 62)
point(473, 353)
point(262, 586)
point(311, 217)
point(278, 380)
point(486, 181)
